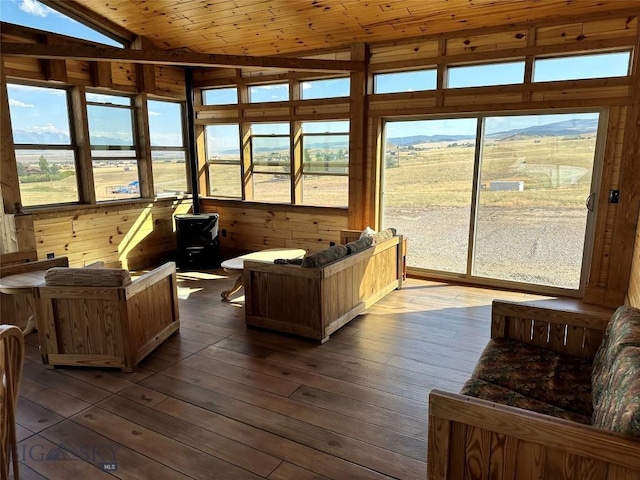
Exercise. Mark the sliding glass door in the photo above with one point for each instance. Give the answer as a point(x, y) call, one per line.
point(428, 189)
point(496, 197)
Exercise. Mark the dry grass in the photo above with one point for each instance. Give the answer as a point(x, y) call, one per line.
point(556, 172)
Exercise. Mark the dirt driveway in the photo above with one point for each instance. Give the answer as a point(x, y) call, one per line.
point(541, 246)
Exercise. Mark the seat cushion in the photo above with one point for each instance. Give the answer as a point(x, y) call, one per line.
point(549, 377)
point(618, 406)
point(488, 391)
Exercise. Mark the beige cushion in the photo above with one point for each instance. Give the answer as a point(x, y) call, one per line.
point(380, 237)
point(87, 277)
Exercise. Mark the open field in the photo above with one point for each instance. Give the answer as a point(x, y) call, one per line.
point(534, 236)
point(169, 177)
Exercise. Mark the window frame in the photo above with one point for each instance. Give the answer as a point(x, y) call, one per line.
point(212, 161)
point(174, 148)
point(584, 54)
point(71, 147)
point(135, 148)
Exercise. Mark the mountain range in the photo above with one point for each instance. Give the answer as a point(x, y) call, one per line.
point(57, 137)
point(556, 129)
point(564, 128)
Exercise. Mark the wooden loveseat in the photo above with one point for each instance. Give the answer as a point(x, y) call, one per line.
point(555, 395)
point(327, 290)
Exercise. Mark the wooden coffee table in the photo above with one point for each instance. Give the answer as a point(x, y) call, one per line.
point(236, 264)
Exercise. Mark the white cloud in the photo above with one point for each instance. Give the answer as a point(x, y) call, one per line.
point(32, 7)
point(48, 128)
point(41, 90)
point(154, 114)
point(271, 87)
point(18, 103)
point(306, 86)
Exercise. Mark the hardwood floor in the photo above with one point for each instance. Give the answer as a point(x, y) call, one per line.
point(220, 401)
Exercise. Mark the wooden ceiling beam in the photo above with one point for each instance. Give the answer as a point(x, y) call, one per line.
point(176, 58)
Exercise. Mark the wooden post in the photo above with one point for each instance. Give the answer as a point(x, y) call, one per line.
point(101, 75)
point(80, 125)
point(145, 72)
point(204, 184)
point(9, 184)
point(245, 144)
point(295, 155)
point(358, 166)
point(143, 146)
point(54, 69)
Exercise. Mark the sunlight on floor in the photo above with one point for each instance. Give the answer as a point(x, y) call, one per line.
point(199, 276)
point(184, 292)
point(194, 276)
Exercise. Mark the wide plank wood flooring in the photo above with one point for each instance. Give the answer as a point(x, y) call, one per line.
point(220, 401)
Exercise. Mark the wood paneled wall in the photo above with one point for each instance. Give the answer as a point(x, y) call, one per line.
point(132, 235)
point(259, 226)
point(633, 294)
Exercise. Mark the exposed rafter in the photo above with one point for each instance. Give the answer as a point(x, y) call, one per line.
point(177, 58)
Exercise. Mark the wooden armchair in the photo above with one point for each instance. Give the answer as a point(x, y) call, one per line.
point(99, 317)
point(11, 363)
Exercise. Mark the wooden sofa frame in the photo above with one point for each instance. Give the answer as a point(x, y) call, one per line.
point(474, 438)
point(107, 326)
point(315, 302)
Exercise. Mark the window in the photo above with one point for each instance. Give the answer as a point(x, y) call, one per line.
point(220, 96)
point(113, 154)
point(223, 160)
point(168, 153)
point(486, 75)
point(44, 154)
point(31, 13)
point(581, 66)
point(271, 162)
point(405, 81)
point(269, 93)
point(325, 163)
point(334, 87)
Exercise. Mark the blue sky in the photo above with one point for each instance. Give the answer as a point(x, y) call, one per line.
point(38, 109)
point(36, 15)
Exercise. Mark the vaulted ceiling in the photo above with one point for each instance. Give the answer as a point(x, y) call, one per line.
point(271, 27)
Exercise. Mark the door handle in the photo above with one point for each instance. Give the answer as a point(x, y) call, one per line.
point(589, 202)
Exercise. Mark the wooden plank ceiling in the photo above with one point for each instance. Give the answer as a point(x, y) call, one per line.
point(271, 27)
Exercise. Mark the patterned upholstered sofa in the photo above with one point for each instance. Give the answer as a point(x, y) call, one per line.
point(555, 394)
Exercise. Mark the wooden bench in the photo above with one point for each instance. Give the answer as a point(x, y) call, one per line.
point(315, 302)
point(474, 438)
